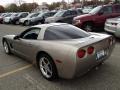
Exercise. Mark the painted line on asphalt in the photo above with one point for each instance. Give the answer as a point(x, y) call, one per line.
point(14, 71)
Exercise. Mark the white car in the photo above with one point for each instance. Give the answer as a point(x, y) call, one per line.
point(9, 17)
point(113, 26)
point(87, 9)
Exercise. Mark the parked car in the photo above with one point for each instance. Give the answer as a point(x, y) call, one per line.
point(64, 16)
point(39, 18)
point(60, 49)
point(97, 17)
point(15, 19)
point(26, 20)
point(9, 17)
point(113, 26)
point(2, 16)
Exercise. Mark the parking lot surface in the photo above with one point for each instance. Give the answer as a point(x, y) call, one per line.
point(18, 74)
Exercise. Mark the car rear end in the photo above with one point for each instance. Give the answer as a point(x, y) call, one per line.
point(111, 25)
point(93, 53)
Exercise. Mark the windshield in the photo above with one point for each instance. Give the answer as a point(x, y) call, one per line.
point(95, 10)
point(64, 32)
point(34, 15)
point(41, 14)
point(8, 15)
point(59, 13)
point(16, 14)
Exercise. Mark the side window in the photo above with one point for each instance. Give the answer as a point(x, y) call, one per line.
point(49, 35)
point(52, 13)
point(31, 33)
point(23, 15)
point(47, 15)
point(106, 10)
point(73, 12)
point(67, 13)
point(80, 11)
point(117, 8)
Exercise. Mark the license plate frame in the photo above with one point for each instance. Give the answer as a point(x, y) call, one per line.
point(100, 54)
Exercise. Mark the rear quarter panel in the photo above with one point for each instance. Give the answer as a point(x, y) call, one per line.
point(64, 53)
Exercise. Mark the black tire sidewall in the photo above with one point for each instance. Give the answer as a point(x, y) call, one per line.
point(54, 70)
point(90, 24)
point(25, 23)
point(9, 52)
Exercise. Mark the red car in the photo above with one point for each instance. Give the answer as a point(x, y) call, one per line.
point(97, 17)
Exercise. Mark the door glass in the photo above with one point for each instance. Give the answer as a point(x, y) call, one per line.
point(73, 12)
point(67, 13)
point(107, 10)
point(31, 34)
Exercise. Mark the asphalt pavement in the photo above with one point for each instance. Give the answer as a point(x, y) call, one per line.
point(19, 74)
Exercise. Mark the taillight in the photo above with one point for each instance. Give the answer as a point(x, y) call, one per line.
point(90, 50)
point(81, 53)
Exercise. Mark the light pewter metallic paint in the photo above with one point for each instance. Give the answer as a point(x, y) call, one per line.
point(63, 50)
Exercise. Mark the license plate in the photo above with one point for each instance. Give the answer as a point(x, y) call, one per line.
point(100, 54)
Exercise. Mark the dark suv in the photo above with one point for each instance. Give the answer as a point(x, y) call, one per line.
point(64, 16)
point(97, 17)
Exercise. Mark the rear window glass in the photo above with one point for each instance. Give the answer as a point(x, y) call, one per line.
point(64, 32)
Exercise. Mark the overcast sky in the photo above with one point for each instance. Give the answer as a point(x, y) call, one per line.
point(5, 2)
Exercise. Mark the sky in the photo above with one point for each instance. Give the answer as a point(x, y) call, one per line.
point(5, 2)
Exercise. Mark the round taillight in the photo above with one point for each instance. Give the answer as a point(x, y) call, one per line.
point(81, 53)
point(90, 50)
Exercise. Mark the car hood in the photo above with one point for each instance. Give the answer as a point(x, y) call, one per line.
point(83, 16)
point(7, 17)
point(115, 20)
point(23, 19)
point(52, 19)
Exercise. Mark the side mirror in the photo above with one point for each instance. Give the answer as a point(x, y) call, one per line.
point(17, 37)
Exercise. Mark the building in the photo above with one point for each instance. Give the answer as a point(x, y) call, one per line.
point(41, 8)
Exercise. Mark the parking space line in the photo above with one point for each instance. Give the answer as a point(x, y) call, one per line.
point(14, 71)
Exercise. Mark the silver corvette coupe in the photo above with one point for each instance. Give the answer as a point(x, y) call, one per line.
point(59, 49)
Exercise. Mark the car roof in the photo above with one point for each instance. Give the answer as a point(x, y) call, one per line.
point(109, 5)
point(45, 26)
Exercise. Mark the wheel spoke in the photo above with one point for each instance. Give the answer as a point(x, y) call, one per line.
point(45, 67)
point(49, 71)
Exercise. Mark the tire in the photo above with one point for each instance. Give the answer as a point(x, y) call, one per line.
point(47, 67)
point(6, 47)
point(17, 22)
point(88, 27)
point(26, 23)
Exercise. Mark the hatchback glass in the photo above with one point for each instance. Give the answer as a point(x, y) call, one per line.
point(64, 32)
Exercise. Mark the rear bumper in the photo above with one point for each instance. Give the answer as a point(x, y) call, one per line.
point(85, 65)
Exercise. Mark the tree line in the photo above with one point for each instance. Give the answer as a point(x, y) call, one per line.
point(28, 7)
